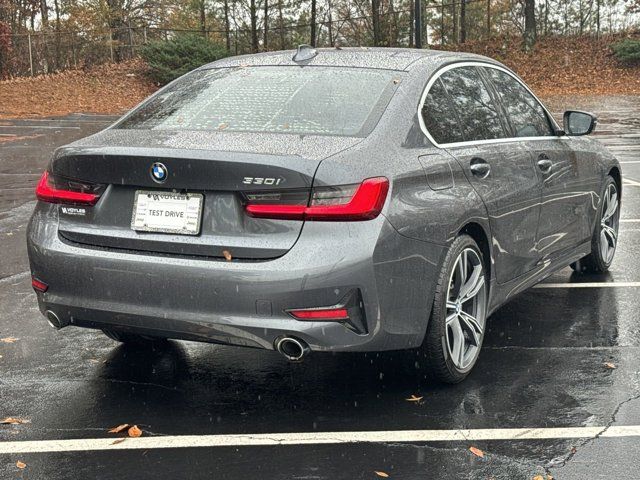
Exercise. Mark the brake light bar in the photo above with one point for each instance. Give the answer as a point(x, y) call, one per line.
point(320, 314)
point(49, 190)
point(39, 285)
point(346, 203)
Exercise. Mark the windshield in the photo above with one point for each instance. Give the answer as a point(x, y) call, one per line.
point(291, 99)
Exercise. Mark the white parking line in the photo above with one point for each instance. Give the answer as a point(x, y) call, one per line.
point(315, 438)
point(629, 181)
point(588, 285)
point(629, 162)
point(630, 220)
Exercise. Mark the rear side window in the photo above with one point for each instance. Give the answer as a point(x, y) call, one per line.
point(475, 107)
point(439, 117)
point(286, 99)
point(526, 115)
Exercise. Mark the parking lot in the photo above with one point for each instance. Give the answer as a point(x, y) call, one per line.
point(556, 390)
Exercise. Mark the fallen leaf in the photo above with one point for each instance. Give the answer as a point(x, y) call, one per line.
point(413, 398)
point(12, 421)
point(227, 255)
point(134, 431)
point(381, 474)
point(20, 464)
point(538, 477)
point(610, 365)
point(477, 452)
point(8, 340)
point(119, 428)
point(120, 440)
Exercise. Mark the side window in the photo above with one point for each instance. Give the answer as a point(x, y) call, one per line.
point(525, 112)
point(472, 101)
point(439, 116)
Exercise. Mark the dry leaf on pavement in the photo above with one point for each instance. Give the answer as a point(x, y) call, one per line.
point(119, 428)
point(381, 474)
point(413, 398)
point(227, 255)
point(8, 340)
point(477, 452)
point(134, 431)
point(120, 440)
point(12, 421)
point(610, 365)
point(20, 464)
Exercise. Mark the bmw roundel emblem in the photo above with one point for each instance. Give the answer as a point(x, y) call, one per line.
point(159, 172)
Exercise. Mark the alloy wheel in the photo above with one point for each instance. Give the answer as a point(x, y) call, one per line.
point(609, 224)
point(466, 309)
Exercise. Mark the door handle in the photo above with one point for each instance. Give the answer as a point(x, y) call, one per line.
point(544, 164)
point(479, 167)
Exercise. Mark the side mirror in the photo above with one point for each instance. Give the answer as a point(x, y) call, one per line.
point(579, 123)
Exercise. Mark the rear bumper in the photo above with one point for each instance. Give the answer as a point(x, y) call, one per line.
point(244, 303)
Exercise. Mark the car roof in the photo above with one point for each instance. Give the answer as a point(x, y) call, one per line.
point(359, 57)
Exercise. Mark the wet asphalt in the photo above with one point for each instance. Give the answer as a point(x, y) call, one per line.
point(542, 366)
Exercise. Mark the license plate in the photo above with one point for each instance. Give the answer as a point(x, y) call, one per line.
point(167, 212)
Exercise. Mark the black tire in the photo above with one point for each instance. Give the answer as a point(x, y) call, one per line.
point(595, 261)
point(435, 351)
point(133, 338)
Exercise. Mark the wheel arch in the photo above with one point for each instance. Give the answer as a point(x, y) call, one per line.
point(480, 236)
point(617, 177)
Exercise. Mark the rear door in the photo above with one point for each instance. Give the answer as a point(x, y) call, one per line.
point(501, 172)
point(567, 203)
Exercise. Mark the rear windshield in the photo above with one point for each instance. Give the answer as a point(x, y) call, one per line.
point(290, 99)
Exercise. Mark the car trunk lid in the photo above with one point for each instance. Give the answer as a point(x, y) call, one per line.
point(224, 168)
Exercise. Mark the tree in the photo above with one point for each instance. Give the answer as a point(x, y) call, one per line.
point(463, 21)
point(313, 23)
point(253, 13)
point(266, 24)
point(375, 18)
point(203, 16)
point(529, 24)
point(281, 24)
point(5, 48)
point(227, 27)
point(44, 14)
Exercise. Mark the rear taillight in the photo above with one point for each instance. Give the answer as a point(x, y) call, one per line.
point(362, 201)
point(55, 189)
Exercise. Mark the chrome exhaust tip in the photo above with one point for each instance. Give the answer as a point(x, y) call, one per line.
point(292, 348)
point(53, 320)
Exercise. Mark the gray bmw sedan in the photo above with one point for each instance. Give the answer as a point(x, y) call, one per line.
point(323, 200)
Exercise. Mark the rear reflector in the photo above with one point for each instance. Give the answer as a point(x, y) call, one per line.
point(321, 314)
point(38, 285)
point(55, 189)
point(341, 203)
